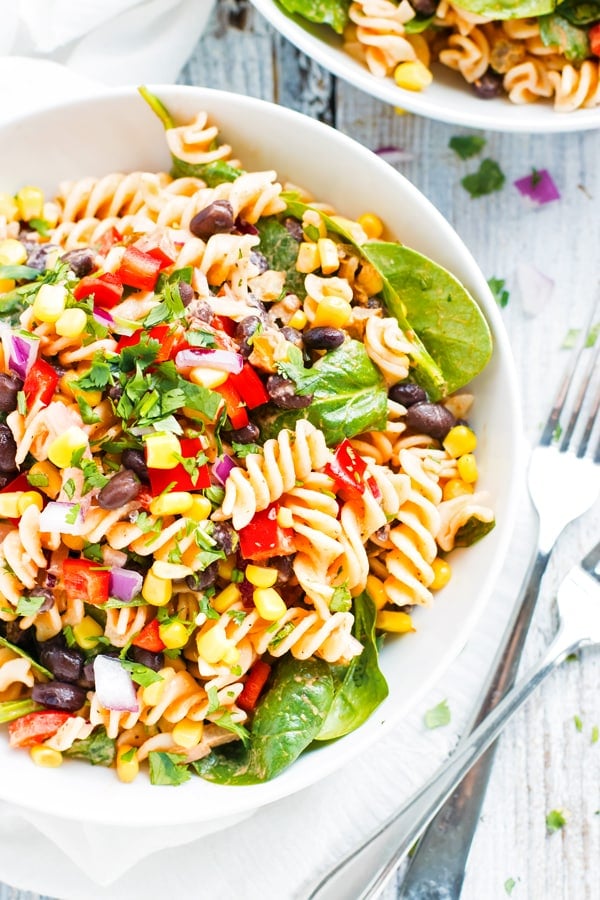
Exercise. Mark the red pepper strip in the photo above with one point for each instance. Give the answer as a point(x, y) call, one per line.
point(255, 682)
point(84, 579)
point(347, 469)
point(110, 237)
point(594, 38)
point(250, 387)
point(149, 638)
point(35, 727)
point(40, 383)
point(138, 269)
point(236, 411)
point(169, 338)
point(263, 537)
point(160, 479)
point(106, 289)
point(158, 245)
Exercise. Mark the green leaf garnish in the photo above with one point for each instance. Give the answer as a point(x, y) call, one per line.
point(467, 145)
point(487, 179)
point(438, 716)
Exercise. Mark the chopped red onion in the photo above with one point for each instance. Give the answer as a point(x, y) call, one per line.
point(394, 155)
point(125, 584)
point(66, 518)
point(222, 467)
point(535, 287)
point(22, 352)
point(103, 317)
point(538, 186)
point(226, 360)
point(114, 687)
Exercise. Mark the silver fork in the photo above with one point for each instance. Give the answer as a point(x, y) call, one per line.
point(561, 460)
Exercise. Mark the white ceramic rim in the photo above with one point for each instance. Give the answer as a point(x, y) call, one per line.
point(140, 804)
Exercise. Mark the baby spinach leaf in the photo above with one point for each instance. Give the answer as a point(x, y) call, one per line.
point(34, 663)
point(472, 531)
point(325, 12)
point(441, 311)
point(14, 709)
point(349, 395)
point(286, 721)
point(556, 31)
point(98, 749)
point(280, 249)
point(213, 173)
point(580, 13)
point(363, 686)
point(508, 9)
point(418, 24)
point(167, 768)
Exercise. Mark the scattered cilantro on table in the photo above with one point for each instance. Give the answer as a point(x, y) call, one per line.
point(578, 723)
point(501, 295)
point(595, 734)
point(509, 885)
point(438, 715)
point(555, 820)
point(487, 179)
point(467, 145)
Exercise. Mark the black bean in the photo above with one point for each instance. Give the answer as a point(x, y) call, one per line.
point(293, 227)
point(244, 331)
point(13, 632)
point(7, 477)
point(323, 338)
point(37, 256)
point(407, 393)
point(430, 418)
point(245, 227)
point(135, 460)
point(226, 538)
point(59, 695)
point(8, 450)
point(488, 86)
point(10, 385)
point(203, 312)
point(47, 595)
point(283, 564)
point(154, 661)
point(121, 489)
point(293, 336)
point(249, 434)
point(65, 663)
point(259, 260)
point(199, 581)
point(282, 392)
point(88, 680)
point(81, 261)
point(217, 218)
point(424, 7)
point(186, 292)
point(115, 392)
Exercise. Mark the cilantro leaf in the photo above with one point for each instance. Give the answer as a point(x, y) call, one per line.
point(509, 885)
point(88, 415)
point(341, 600)
point(487, 179)
point(501, 295)
point(29, 606)
point(438, 715)
point(167, 768)
point(555, 820)
point(97, 377)
point(141, 674)
point(242, 450)
point(98, 749)
point(578, 723)
point(467, 145)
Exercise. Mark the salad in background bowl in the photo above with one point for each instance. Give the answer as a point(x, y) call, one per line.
point(247, 446)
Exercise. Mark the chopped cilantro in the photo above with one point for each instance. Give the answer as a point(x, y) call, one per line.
point(592, 335)
point(22, 403)
point(555, 820)
point(595, 734)
point(570, 339)
point(97, 377)
point(237, 615)
point(206, 608)
point(467, 145)
point(501, 295)
point(142, 675)
point(167, 768)
point(509, 885)
point(226, 721)
point(88, 415)
point(69, 487)
point(92, 476)
point(438, 715)
point(213, 700)
point(69, 636)
point(341, 600)
point(487, 179)
point(128, 755)
point(37, 479)
point(242, 450)
point(29, 606)
point(578, 723)
point(71, 516)
point(199, 338)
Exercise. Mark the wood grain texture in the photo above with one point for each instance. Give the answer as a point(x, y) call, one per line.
point(543, 761)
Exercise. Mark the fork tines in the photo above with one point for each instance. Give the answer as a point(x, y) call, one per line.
point(582, 370)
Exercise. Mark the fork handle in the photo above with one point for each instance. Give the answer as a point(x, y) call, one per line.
point(350, 880)
point(437, 868)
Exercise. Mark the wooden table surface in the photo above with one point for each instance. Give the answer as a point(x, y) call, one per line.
point(544, 762)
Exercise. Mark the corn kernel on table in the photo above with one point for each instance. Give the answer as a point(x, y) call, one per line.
point(547, 759)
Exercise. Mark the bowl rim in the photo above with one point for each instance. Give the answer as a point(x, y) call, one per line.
point(178, 808)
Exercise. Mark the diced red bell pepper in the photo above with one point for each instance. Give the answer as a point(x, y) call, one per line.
point(263, 537)
point(35, 727)
point(106, 289)
point(160, 479)
point(224, 324)
point(158, 245)
point(347, 469)
point(84, 579)
point(149, 638)
point(170, 339)
point(234, 406)
point(40, 383)
point(19, 483)
point(138, 269)
point(110, 237)
point(255, 682)
point(594, 38)
point(250, 387)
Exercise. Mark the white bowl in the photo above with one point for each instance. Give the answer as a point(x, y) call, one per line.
point(116, 131)
point(447, 99)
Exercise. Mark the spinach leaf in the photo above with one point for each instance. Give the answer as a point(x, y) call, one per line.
point(579, 13)
point(555, 31)
point(34, 663)
point(472, 531)
point(19, 273)
point(213, 173)
point(14, 709)
point(280, 249)
point(324, 12)
point(509, 9)
point(287, 719)
point(363, 687)
point(349, 394)
point(98, 749)
point(487, 179)
point(441, 311)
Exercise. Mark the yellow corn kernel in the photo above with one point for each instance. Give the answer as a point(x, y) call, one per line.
point(261, 576)
point(87, 632)
point(156, 591)
point(269, 603)
point(29, 498)
point(62, 448)
point(369, 279)
point(200, 509)
point(172, 504)
point(231, 656)
point(73, 542)
point(9, 504)
point(30, 203)
point(456, 487)
point(45, 756)
point(372, 225)
point(212, 644)
point(298, 320)
point(51, 213)
point(328, 256)
point(171, 571)
point(152, 693)
point(49, 304)
point(226, 598)
point(68, 386)
point(163, 450)
point(311, 219)
point(376, 591)
point(394, 621)
point(48, 478)
point(12, 253)
point(6, 285)
point(412, 76)
point(187, 733)
point(128, 768)
point(308, 258)
point(442, 572)
point(334, 312)
point(225, 567)
point(8, 207)
point(71, 323)
point(459, 440)
point(285, 519)
point(467, 468)
point(174, 635)
point(207, 377)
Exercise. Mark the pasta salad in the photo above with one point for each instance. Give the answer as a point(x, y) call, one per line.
point(525, 50)
point(235, 454)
